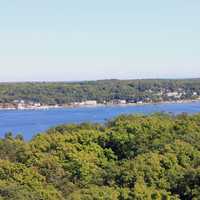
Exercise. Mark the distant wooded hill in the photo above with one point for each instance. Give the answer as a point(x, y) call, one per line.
point(102, 90)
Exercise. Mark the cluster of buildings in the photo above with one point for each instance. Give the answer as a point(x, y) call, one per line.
point(29, 105)
point(177, 94)
point(83, 103)
point(20, 105)
point(125, 101)
point(163, 95)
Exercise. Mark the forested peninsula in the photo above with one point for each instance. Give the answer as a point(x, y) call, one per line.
point(131, 157)
point(38, 94)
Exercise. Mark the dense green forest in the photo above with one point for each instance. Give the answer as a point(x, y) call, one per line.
point(131, 157)
point(103, 90)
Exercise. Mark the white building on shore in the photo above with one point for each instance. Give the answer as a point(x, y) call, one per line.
point(90, 103)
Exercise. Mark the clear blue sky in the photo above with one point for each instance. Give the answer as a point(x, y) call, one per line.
point(83, 40)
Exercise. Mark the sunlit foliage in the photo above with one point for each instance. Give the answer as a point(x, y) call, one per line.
point(131, 157)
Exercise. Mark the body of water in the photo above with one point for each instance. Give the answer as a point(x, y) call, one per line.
point(31, 122)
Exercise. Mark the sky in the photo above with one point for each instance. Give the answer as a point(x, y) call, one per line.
point(65, 40)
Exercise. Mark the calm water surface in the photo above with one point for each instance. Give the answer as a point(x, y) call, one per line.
point(31, 122)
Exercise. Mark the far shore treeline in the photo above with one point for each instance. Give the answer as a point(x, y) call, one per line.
point(155, 157)
point(51, 93)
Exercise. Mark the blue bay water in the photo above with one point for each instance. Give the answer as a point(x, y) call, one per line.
point(31, 122)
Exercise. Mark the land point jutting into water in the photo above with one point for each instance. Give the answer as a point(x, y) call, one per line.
point(45, 95)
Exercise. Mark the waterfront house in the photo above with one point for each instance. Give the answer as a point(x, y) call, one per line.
point(90, 103)
point(118, 101)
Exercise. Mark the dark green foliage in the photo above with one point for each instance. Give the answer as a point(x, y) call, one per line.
point(154, 157)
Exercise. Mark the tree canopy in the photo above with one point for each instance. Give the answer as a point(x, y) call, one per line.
point(130, 157)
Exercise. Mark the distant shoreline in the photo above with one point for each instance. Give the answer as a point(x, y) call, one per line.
point(101, 105)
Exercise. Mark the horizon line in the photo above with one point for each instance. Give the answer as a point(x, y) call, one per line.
point(111, 79)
